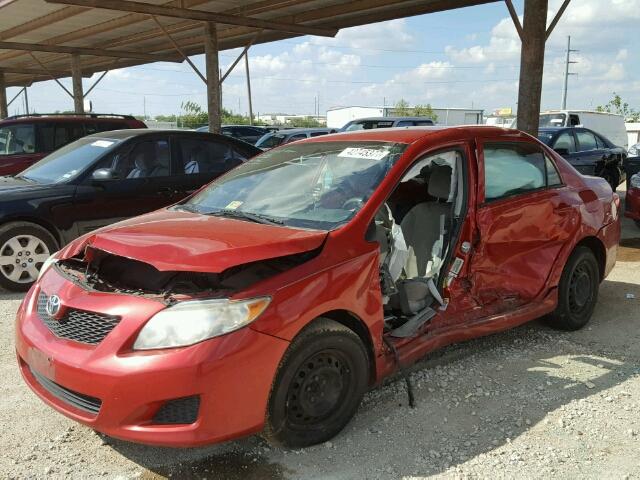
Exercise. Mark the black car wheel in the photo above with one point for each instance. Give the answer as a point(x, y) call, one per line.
point(23, 249)
point(612, 177)
point(577, 292)
point(318, 387)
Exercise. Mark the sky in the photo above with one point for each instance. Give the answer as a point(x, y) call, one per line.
point(466, 58)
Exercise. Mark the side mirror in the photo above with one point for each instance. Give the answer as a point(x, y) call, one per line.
point(562, 151)
point(104, 174)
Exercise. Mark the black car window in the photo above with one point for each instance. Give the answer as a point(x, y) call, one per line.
point(294, 138)
point(18, 138)
point(151, 158)
point(317, 134)
point(574, 120)
point(423, 123)
point(566, 141)
point(512, 168)
point(586, 140)
point(206, 156)
point(405, 123)
point(602, 144)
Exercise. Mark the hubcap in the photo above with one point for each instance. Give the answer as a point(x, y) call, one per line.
point(318, 388)
point(580, 289)
point(21, 258)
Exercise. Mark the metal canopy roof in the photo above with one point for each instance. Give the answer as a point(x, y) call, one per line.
point(37, 36)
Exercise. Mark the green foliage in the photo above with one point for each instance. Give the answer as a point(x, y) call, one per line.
point(401, 108)
point(193, 116)
point(425, 111)
point(305, 122)
point(617, 106)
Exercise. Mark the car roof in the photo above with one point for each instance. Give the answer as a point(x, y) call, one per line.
point(136, 132)
point(48, 117)
point(390, 119)
point(411, 134)
point(289, 131)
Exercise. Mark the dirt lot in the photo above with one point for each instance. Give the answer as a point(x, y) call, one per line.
point(530, 403)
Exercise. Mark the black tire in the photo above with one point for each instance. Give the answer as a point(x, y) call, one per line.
point(319, 385)
point(577, 292)
point(16, 277)
point(612, 177)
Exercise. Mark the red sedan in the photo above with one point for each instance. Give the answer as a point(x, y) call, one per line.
point(272, 299)
point(632, 199)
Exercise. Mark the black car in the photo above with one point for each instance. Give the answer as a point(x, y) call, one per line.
point(589, 152)
point(632, 162)
point(281, 137)
point(386, 122)
point(246, 133)
point(98, 180)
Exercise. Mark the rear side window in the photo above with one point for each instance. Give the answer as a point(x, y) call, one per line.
point(16, 139)
point(204, 156)
point(294, 138)
point(566, 141)
point(587, 141)
point(317, 134)
point(511, 169)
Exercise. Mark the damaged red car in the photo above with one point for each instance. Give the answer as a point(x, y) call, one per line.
point(273, 298)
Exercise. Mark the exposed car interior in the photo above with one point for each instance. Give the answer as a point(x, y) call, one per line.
point(416, 229)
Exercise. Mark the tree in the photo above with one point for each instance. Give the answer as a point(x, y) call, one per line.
point(617, 106)
point(304, 122)
point(193, 115)
point(401, 108)
point(425, 111)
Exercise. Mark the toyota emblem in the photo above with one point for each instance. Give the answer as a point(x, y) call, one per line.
point(53, 305)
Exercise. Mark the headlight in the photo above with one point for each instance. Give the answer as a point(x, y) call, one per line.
point(193, 321)
point(635, 180)
point(47, 264)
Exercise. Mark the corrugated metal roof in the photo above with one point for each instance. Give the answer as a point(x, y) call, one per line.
point(40, 22)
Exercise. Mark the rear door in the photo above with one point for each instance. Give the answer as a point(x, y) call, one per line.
point(136, 190)
point(524, 217)
point(591, 154)
point(199, 160)
point(18, 148)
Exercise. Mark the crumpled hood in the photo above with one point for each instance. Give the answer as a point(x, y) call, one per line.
point(183, 241)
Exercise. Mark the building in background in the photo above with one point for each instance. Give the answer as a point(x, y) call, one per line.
point(284, 119)
point(501, 117)
point(339, 116)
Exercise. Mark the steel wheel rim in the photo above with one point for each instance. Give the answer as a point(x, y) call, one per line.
point(319, 387)
point(580, 289)
point(21, 258)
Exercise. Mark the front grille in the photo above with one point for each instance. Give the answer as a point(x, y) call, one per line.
point(181, 410)
point(78, 325)
point(78, 400)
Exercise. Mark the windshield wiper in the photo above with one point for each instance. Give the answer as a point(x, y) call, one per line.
point(253, 217)
point(28, 179)
point(187, 207)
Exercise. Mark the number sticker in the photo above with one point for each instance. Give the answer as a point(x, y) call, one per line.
point(365, 153)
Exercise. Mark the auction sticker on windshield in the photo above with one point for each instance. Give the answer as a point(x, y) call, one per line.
point(366, 153)
point(233, 205)
point(102, 143)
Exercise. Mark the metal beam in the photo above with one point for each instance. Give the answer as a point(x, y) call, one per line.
point(557, 18)
point(23, 89)
point(532, 65)
point(98, 52)
point(244, 52)
point(177, 47)
point(214, 105)
point(4, 108)
point(95, 83)
point(514, 18)
point(51, 74)
point(246, 67)
point(76, 75)
point(34, 71)
point(201, 15)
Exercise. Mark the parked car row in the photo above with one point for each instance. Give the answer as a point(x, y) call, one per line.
point(271, 299)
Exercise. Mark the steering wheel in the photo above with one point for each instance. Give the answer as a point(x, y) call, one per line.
point(352, 203)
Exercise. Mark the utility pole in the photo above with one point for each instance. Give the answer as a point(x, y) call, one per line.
point(567, 73)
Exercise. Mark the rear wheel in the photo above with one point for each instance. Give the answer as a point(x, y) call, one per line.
point(612, 177)
point(577, 292)
point(23, 249)
point(318, 387)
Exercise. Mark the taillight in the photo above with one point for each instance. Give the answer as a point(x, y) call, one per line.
point(615, 206)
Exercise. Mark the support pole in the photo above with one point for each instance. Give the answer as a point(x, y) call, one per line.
point(76, 75)
point(213, 76)
point(4, 108)
point(26, 101)
point(532, 65)
point(246, 67)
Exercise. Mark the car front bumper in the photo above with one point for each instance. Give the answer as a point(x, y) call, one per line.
point(119, 392)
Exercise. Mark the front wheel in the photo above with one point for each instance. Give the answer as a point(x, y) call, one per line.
point(318, 387)
point(577, 292)
point(23, 249)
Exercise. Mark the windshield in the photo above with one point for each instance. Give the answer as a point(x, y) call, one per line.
point(17, 139)
point(552, 120)
point(270, 140)
point(68, 161)
point(318, 185)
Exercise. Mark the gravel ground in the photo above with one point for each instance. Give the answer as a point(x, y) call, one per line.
point(528, 403)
